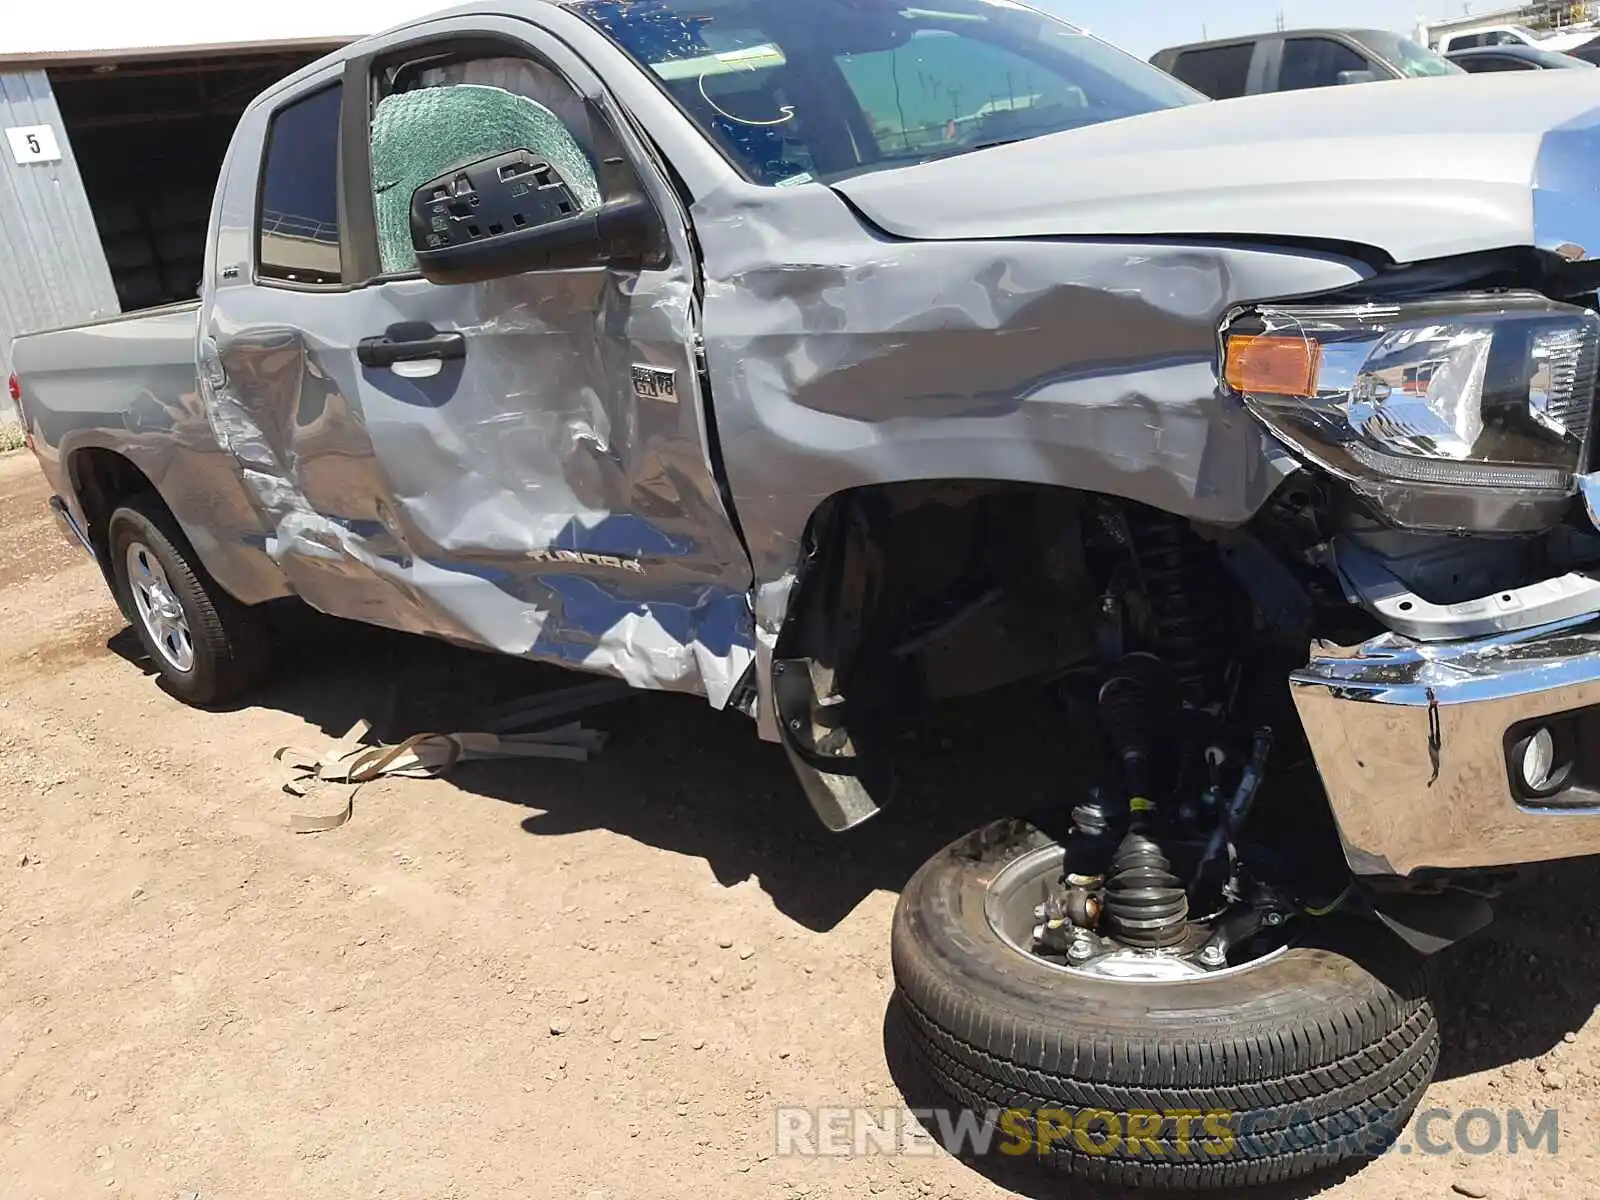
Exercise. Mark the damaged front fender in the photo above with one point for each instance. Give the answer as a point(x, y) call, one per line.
point(840, 358)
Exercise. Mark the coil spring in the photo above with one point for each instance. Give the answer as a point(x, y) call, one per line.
point(1184, 586)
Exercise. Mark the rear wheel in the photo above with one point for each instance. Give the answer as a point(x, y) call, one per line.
point(207, 646)
point(1145, 1072)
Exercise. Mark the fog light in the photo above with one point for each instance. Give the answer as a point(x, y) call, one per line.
point(1542, 761)
point(1539, 761)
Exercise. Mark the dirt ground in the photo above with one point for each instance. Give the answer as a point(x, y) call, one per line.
point(541, 979)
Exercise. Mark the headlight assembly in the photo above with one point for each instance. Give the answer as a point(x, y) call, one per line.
point(1469, 412)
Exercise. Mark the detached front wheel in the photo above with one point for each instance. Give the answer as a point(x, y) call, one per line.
point(1144, 1072)
point(207, 646)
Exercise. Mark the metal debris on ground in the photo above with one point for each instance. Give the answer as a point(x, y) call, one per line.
point(531, 710)
point(357, 759)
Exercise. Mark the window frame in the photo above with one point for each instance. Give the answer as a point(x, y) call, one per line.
point(1251, 67)
point(1369, 62)
point(289, 99)
point(1499, 64)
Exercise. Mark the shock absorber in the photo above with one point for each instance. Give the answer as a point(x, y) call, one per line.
point(1184, 586)
point(1146, 905)
point(1139, 711)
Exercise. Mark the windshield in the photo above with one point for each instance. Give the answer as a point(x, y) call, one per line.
point(1408, 57)
point(800, 90)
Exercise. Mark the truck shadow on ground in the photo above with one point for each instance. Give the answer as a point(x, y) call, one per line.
point(682, 778)
point(675, 774)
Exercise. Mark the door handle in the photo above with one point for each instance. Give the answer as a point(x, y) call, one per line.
point(410, 343)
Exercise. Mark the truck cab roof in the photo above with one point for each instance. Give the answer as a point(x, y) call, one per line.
point(1357, 34)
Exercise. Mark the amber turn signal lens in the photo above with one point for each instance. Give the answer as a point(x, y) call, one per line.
point(1273, 366)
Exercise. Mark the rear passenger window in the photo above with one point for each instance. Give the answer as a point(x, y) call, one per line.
point(1317, 62)
point(298, 226)
point(1221, 72)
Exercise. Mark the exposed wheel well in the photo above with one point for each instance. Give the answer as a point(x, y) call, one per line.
point(929, 590)
point(913, 594)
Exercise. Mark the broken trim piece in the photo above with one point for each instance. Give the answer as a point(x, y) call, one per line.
point(355, 761)
point(1370, 585)
point(840, 782)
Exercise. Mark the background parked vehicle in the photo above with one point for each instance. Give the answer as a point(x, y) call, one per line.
point(1509, 35)
point(1295, 61)
point(1515, 58)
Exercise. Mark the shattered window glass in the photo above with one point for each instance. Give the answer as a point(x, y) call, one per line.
point(420, 134)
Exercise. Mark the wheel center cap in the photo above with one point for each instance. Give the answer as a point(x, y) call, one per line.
point(164, 604)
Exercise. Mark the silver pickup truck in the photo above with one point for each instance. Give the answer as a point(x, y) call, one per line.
point(835, 360)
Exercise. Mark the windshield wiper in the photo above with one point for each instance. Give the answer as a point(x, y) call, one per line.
point(960, 150)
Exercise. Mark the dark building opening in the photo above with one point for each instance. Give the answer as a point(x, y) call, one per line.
point(149, 135)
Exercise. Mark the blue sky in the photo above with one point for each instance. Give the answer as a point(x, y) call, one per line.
point(1145, 26)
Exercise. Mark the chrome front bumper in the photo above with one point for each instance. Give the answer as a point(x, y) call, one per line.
point(1411, 742)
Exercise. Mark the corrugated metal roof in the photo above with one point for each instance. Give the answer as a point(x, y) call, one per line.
point(52, 269)
point(69, 27)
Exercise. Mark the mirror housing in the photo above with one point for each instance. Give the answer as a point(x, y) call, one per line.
point(1366, 76)
point(514, 212)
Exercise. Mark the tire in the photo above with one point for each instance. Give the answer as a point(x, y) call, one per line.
point(229, 640)
point(1308, 1058)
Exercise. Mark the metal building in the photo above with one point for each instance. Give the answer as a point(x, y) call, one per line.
point(50, 255)
point(1548, 16)
point(115, 120)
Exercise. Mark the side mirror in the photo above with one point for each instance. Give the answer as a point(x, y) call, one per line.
point(1348, 77)
point(514, 212)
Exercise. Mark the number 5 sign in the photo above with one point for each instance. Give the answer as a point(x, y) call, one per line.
point(33, 144)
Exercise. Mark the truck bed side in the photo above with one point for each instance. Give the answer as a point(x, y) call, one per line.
point(116, 403)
